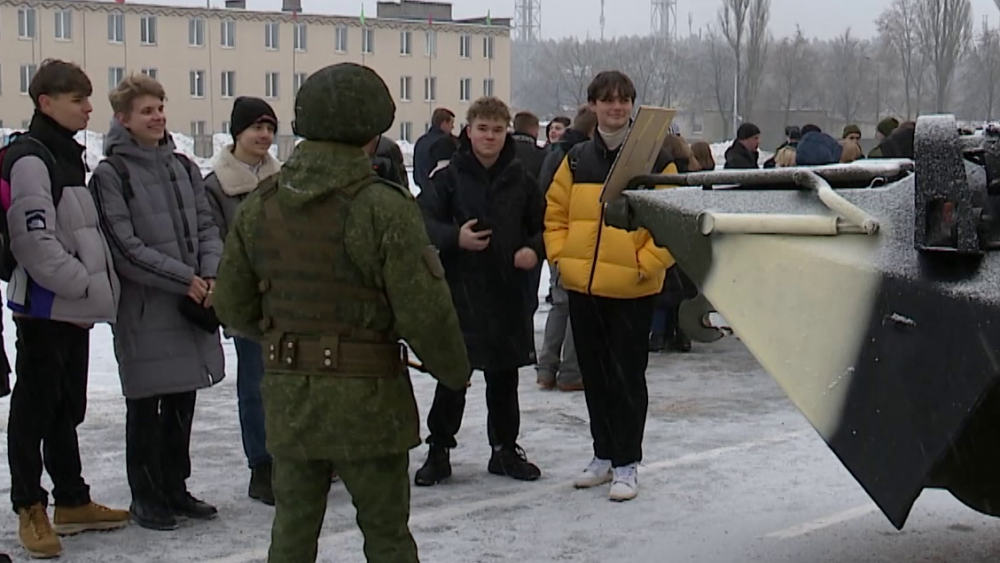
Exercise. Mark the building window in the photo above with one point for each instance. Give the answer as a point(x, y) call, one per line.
point(116, 28)
point(196, 32)
point(115, 76)
point(27, 73)
point(488, 87)
point(406, 131)
point(64, 25)
point(26, 23)
point(465, 89)
point(341, 38)
point(368, 41)
point(228, 88)
point(197, 78)
point(147, 30)
point(228, 33)
point(299, 37)
point(430, 44)
point(405, 43)
point(405, 88)
point(488, 47)
point(430, 88)
point(197, 128)
point(271, 83)
point(150, 72)
point(226, 127)
point(465, 46)
point(300, 79)
point(272, 36)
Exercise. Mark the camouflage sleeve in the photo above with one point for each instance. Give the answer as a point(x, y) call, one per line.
point(386, 232)
point(236, 299)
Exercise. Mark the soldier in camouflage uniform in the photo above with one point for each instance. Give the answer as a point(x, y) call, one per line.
point(328, 267)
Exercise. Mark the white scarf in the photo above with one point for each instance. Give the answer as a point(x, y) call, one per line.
point(615, 139)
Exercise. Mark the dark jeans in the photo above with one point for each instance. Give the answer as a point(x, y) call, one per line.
point(249, 374)
point(613, 349)
point(48, 403)
point(503, 418)
point(157, 444)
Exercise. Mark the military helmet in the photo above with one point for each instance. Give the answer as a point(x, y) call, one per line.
point(345, 103)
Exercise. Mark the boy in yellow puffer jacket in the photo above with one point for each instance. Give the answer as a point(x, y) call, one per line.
point(612, 276)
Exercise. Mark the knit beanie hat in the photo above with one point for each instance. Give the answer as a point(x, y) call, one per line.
point(887, 126)
point(248, 111)
point(851, 129)
point(746, 131)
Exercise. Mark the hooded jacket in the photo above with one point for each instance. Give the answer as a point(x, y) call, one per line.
point(531, 155)
point(162, 233)
point(592, 257)
point(571, 137)
point(229, 184)
point(64, 266)
point(816, 149)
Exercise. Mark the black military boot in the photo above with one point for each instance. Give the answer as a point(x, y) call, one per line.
point(680, 342)
point(260, 484)
point(4, 558)
point(512, 462)
point(183, 504)
point(152, 515)
point(437, 468)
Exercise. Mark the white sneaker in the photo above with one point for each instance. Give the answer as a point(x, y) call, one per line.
point(625, 485)
point(597, 473)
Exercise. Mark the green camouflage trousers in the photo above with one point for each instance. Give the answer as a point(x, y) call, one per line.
point(379, 489)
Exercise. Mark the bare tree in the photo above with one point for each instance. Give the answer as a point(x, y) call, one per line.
point(723, 68)
point(945, 28)
point(758, 42)
point(983, 74)
point(899, 28)
point(845, 75)
point(733, 19)
point(792, 69)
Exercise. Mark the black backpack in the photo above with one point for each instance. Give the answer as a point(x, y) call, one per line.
point(118, 163)
point(7, 261)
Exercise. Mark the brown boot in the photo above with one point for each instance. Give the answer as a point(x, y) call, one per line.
point(36, 534)
point(87, 518)
point(569, 387)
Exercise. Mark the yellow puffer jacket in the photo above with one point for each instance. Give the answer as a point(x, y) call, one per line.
point(592, 257)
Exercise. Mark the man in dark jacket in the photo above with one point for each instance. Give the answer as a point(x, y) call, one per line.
point(388, 161)
point(64, 282)
point(484, 213)
point(792, 137)
point(442, 123)
point(885, 128)
point(743, 152)
point(526, 127)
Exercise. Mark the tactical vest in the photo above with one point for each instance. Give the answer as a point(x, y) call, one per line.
point(315, 301)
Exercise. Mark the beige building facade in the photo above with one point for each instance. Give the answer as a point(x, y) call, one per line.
point(207, 57)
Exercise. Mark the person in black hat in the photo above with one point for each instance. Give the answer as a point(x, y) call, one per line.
point(235, 174)
point(743, 152)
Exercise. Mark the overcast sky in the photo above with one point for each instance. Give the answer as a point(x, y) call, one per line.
point(822, 18)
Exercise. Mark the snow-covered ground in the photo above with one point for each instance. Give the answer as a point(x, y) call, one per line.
point(731, 474)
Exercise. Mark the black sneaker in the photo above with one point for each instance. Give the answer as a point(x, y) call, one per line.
point(183, 504)
point(680, 342)
point(260, 484)
point(437, 468)
point(511, 462)
point(152, 515)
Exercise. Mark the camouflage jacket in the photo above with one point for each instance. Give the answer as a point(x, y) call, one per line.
point(323, 416)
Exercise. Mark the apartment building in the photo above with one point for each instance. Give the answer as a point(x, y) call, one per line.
point(207, 57)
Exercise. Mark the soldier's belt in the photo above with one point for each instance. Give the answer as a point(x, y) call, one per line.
point(332, 356)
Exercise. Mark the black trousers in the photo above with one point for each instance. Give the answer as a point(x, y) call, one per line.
point(157, 445)
point(48, 403)
point(503, 413)
point(612, 346)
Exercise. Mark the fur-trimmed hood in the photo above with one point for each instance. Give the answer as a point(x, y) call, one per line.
point(236, 178)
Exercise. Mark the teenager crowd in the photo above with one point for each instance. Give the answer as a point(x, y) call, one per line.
point(139, 245)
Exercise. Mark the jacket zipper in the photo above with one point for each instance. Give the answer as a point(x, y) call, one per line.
point(180, 209)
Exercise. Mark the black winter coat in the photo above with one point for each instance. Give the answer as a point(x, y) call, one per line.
point(492, 297)
point(554, 158)
point(740, 158)
point(529, 153)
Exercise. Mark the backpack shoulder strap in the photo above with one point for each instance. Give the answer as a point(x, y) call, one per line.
point(118, 164)
point(186, 161)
